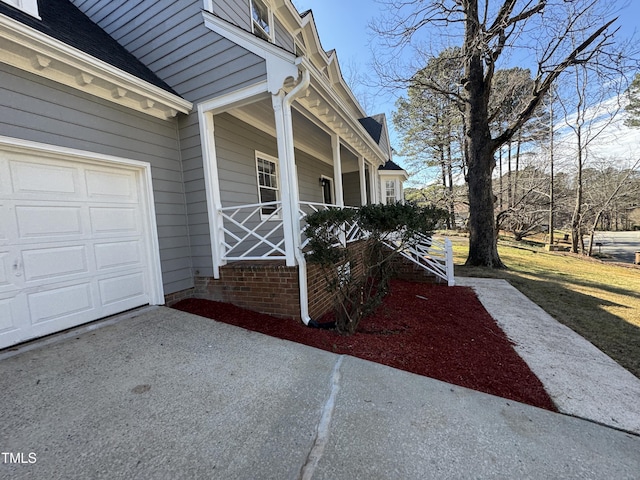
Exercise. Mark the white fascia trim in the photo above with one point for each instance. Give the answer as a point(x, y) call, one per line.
point(28, 49)
point(335, 100)
point(156, 292)
point(329, 60)
point(281, 65)
point(235, 99)
point(334, 63)
point(394, 173)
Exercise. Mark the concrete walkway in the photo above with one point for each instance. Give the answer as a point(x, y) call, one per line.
point(581, 379)
point(169, 395)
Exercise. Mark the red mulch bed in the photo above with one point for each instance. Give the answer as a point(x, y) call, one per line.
point(449, 336)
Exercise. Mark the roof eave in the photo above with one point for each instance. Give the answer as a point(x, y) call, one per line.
point(30, 50)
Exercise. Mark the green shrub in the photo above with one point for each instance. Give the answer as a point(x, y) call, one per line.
point(390, 229)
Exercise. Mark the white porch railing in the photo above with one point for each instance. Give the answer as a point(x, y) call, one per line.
point(432, 255)
point(250, 234)
point(350, 231)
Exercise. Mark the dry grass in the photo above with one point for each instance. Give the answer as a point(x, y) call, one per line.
point(598, 300)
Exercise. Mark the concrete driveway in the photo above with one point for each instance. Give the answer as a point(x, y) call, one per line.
point(165, 394)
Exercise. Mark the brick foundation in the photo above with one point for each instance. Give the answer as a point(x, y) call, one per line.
point(320, 300)
point(175, 297)
point(267, 287)
point(271, 287)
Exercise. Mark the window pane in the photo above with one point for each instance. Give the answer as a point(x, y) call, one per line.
point(268, 183)
point(260, 14)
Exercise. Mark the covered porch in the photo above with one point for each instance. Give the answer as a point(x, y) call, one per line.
point(272, 158)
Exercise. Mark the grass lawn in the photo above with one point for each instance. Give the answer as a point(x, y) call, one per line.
point(598, 300)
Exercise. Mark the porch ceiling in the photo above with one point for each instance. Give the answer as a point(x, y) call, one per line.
point(308, 135)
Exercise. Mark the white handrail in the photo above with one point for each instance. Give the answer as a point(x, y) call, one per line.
point(246, 229)
point(249, 233)
point(432, 255)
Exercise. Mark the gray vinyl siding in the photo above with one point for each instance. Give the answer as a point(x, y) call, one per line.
point(310, 170)
point(237, 12)
point(351, 188)
point(171, 39)
point(236, 144)
point(282, 37)
point(36, 109)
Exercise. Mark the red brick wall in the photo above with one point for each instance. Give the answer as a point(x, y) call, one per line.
point(267, 287)
point(172, 298)
point(271, 287)
point(321, 301)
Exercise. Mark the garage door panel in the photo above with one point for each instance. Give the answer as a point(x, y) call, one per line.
point(112, 186)
point(114, 220)
point(75, 240)
point(54, 263)
point(56, 303)
point(8, 320)
point(48, 221)
point(4, 223)
point(5, 271)
point(35, 178)
point(120, 288)
point(118, 254)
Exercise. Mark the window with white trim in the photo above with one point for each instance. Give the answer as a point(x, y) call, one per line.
point(268, 182)
point(390, 192)
point(261, 19)
point(27, 6)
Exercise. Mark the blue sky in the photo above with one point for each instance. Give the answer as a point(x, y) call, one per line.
point(343, 26)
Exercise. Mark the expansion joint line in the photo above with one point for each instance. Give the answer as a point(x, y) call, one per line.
point(322, 431)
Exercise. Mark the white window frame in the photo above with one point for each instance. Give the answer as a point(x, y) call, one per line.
point(255, 27)
point(27, 6)
point(267, 158)
point(386, 191)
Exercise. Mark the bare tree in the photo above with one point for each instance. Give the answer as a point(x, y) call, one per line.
point(543, 31)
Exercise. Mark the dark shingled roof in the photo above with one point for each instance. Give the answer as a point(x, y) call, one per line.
point(63, 21)
point(390, 165)
point(373, 125)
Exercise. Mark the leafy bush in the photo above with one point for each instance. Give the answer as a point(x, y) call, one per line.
point(389, 229)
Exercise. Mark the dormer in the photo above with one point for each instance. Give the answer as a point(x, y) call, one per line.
point(27, 6)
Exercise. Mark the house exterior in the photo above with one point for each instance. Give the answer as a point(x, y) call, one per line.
point(155, 150)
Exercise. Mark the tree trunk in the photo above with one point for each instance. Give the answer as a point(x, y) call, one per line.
point(443, 168)
point(510, 200)
point(451, 206)
point(500, 186)
point(576, 220)
point(480, 148)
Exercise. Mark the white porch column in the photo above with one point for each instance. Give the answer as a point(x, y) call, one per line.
point(373, 173)
point(288, 177)
point(212, 187)
point(337, 170)
point(363, 181)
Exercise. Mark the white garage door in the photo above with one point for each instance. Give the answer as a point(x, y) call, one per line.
point(74, 243)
